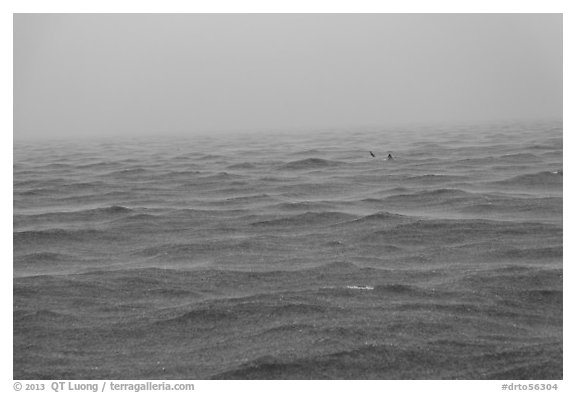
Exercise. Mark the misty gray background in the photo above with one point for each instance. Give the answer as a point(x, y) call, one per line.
point(130, 74)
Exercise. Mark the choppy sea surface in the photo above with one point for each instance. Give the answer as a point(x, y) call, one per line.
point(291, 256)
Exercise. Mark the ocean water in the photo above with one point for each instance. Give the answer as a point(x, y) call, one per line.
point(291, 256)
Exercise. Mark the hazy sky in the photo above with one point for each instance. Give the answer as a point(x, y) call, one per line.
point(111, 74)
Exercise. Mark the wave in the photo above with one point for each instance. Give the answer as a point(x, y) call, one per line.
point(426, 198)
point(366, 361)
point(190, 251)
point(242, 309)
point(252, 198)
point(35, 192)
point(52, 166)
point(473, 162)
point(542, 297)
point(556, 154)
point(546, 253)
point(519, 158)
point(516, 158)
point(63, 189)
point(220, 177)
point(27, 319)
point(527, 206)
point(534, 180)
point(310, 152)
point(128, 173)
point(97, 214)
point(112, 210)
point(404, 289)
point(210, 157)
point(176, 175)
point(102, 165)
point(243, 165)
point(430, 179)
point(59, 237)
point(201, 318)
point(510, 280)
point(178, 250)
point(460, 309)
point(541, 365)
point(306, 206)
point(382, 216)
point(305, 219)
point(440, 193)
point(460, 231)
point(273, 179)
point(311, 163)
point(399, 190)
point(30, 184)
point(43, 258)
point(410, 360)
point(478, 204)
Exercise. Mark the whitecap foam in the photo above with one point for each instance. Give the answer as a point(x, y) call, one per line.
point(360, 287)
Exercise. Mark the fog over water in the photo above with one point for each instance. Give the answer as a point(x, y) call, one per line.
point(138, 74)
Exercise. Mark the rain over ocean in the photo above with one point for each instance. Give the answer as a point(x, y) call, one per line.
point(284, 256)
